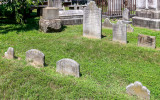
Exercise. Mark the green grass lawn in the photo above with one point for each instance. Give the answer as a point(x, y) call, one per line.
point(106, 67)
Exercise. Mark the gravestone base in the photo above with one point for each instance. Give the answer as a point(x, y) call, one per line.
point(147, 19)
point(48, 26)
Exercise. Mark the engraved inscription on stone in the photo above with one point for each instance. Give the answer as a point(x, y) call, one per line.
point(68, 67)
point(92, 24)
point(139, 90)
point(120, 32)
point(146, 41)
point(35, 58)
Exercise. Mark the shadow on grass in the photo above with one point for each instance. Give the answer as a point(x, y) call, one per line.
point(8, 25)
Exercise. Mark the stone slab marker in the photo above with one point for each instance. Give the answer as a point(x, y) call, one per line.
point(92, 21)
point(126, 14)
point(139, 90)
point(120, 32)
point(57, 4)
point(68, 67)
point(10, 53)
point(147, 41)
point(107, 24)
point(35, 58)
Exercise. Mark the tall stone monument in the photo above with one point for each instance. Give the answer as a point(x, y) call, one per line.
point(147, 14)
point(50, 22)
point(92, 21)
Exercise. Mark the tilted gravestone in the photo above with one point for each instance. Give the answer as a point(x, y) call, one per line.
point(35, 58)
point(147, 41)
point(120, 32)
point(10, 53)
point(107, 24)
point(126, 14)
point(68, 67)
point(92, 24)
point(139, 90)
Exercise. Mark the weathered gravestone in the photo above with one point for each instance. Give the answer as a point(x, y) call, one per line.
point(107, 24)
point(50, 22)
point(10, 53)
point(146, 41)
point(129, 28)
point(148, 16)
point(92, 24)
point(126, 14)
point(120, 32)
point(141, 4)
point(75, 7)
point(35, 58)
point(139, 90)
point(55, 3)
point(68, 67)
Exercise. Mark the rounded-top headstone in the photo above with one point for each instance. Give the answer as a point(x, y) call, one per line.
point(35, 58)
point(68, 66)
point(139, 90)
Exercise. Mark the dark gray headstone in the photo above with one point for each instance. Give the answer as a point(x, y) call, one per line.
point(120, 32)
point(146, 41)
point(35, 58)
point(126, 14)
point(10, 53)
point(92, 21)
point(107, 24)
point(68, 67)
point(139, 90)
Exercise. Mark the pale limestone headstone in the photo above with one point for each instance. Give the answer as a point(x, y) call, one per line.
point(107, 24)
point(10, 53)
point(120, 32)
point(75, 7)
point(129, 28)
point(68, 67)
point(57, 3)
point(35, 58)
point(152, 4)
point(50, 3)
point(126, 14)
point(146, 41)
point(139, 90)
point(92, 24)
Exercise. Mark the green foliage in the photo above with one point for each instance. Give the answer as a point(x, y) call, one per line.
point(17, 9)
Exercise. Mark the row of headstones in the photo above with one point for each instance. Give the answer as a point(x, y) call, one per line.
point(92, 27)
point(70, 67)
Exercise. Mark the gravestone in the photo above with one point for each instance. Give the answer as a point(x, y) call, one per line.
point(10, 53)
point(92, 24)
point(148, 16)
point(57, 4)
point(126, 14)
point(50, 22)
point(120, 32)
point(129, 28)
point(139, 90)
point(68, 67)
point(107, 24)
point(147, 41)
point(141, 4)
point(35, 57)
